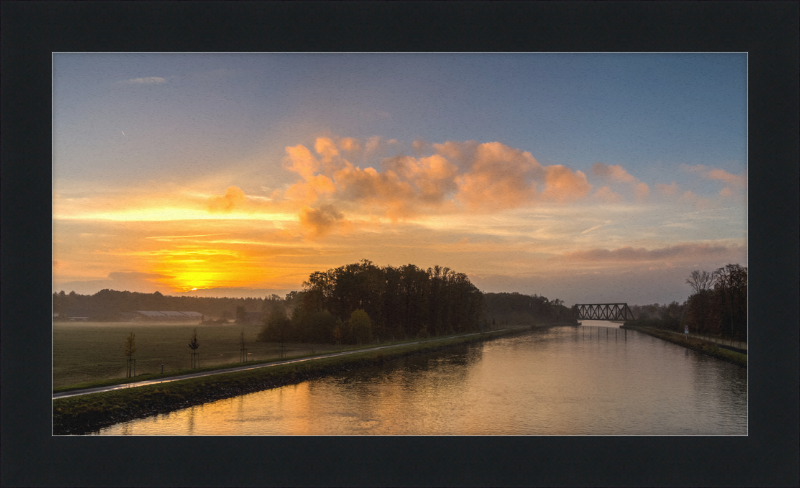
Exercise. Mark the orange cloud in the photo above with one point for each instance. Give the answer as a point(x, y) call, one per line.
point(642, 191)
point(234, 197)
point(484, 177)
point(717, 174)
point(725, 192)
point(612, 172)
point(434, 176)
point(461, 153)
point(349, 144)
point(671, 189)
point(731, 179)
point(309, 191)
point(325, 147)
point(300, 160)
point(369, 186)
point(604, 193)
point(617, 173)
point(564, 185)
point(319, 222)
point(499, 178)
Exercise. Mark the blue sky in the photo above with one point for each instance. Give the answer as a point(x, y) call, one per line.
point(138, 130)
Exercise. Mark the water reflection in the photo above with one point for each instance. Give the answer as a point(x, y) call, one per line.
point(560, 381)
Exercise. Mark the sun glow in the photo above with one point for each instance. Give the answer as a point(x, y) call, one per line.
point(193, 269)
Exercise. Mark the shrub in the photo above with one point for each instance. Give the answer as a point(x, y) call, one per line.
point(360, 326)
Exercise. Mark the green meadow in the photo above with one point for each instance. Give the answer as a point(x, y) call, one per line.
point(86, 352)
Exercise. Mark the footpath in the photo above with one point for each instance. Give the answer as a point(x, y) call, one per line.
point(715, 348)
point(86, 391)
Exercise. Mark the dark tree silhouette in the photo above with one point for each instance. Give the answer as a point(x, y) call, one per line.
point(194, 345)
point(242, 347)
point(130, 350)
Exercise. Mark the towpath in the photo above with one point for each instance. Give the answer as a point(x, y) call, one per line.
point(100, 389)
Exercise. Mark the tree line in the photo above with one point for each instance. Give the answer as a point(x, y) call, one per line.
point(358, 302)
point(717, 306)
point(106, 305)
point(516, 308)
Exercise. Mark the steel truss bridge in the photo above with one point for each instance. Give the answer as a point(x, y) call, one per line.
point(604, 311)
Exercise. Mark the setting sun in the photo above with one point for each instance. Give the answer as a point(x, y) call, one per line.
point(595, 206)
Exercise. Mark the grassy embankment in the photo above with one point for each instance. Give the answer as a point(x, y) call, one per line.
point(90, 354)
point(706, 347)
point(86, 413)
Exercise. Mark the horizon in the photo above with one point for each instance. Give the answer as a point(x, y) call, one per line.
point(591, 178)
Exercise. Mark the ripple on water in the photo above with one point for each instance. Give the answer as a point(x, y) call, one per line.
point(560, 381)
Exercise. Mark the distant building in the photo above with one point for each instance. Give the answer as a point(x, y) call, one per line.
point(78, 315)
point(166, 315)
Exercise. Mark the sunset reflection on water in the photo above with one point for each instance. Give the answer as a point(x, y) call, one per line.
point(562, 381)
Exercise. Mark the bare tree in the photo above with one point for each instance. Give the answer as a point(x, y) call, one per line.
point(700, 281)
point(193, 345)
point(242, 348)
point(130, 349)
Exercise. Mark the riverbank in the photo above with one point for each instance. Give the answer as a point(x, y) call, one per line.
point(87, 413)
point(706, 347)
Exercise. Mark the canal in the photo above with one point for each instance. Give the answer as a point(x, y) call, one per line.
point(591, 380)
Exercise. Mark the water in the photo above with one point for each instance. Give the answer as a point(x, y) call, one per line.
point(559, 381)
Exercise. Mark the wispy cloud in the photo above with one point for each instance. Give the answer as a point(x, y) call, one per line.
point(616, 173)
point(150, 80)
point(605, 194)
point(233, 197)
point(731, 179)
point(717, 174)
point(594, 228)
point(677, 252)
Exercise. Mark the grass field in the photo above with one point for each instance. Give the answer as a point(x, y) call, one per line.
point(90, 351)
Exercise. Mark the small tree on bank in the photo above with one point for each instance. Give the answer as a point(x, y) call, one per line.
point(193, 345)
point(130, 349)
point(360, 326)
point(242, 348)
point(337, 334)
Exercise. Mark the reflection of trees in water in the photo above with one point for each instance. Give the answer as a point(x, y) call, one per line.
point(443, 371)
point(190, 419)
point(240, 404)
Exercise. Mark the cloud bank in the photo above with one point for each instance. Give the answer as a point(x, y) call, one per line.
point(458, 177)
point(689, 251)
point(717, 174)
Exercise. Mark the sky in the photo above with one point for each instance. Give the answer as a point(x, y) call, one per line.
point(585, 177)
